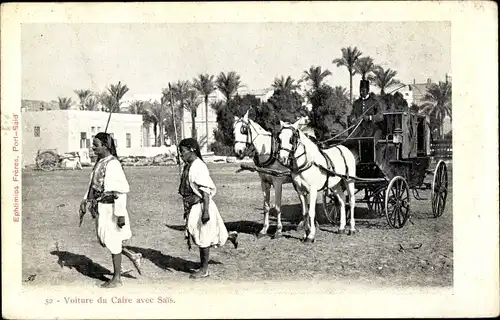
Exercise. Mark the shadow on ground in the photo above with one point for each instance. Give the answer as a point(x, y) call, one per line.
point(291, 218)
point(84, 265)
point(168, 262)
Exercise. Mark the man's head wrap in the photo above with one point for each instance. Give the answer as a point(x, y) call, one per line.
point(191, 144)
point(108, 142)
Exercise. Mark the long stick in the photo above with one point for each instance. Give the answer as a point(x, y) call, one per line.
point(175, 128)
point(109, 118)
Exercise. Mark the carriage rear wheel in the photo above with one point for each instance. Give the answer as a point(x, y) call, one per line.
point(47, 161)
point(330, 206)
point(439, 190)
point(397, 202)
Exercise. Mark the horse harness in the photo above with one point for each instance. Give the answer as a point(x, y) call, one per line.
point(329, 170)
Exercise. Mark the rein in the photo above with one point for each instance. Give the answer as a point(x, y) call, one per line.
point(356, 125)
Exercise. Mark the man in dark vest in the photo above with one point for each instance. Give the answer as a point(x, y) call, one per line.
point(369, 108)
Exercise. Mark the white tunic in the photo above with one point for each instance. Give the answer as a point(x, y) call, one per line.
point(109, 234)
point(213, 232)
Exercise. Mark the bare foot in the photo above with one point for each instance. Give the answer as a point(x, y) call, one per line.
point(112, 284)
point(233, 237)
point(199, 274)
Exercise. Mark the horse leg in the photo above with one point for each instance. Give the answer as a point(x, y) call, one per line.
point(313, 194)
point(278, 188)
point(303, 223)
point(352, 203)
point(341, 197)
point(266, 190)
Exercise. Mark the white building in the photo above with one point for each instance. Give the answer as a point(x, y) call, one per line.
point(72, 130)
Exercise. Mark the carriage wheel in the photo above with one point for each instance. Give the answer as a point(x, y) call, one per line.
point(439, 190)
point(330, 206)
point(47, 161)
point(397, 202)
point(376, 201)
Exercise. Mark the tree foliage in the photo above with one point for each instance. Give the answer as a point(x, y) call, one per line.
point(384, 79)
point(228, 84)
point(329, 112)
point(349, 58)
point(315, 76)
point(284, 105)
point(226, 111)
point(365, 66)
point(438, 105)
point(283, 84)
point(64, 103)
point(83, 95)
point(205, 85)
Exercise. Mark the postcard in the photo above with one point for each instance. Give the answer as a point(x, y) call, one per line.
point(250, 160)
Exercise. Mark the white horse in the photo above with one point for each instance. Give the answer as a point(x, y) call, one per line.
point(311, 172)
point(248, 132)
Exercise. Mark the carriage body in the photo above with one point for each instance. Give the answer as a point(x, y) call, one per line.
point(398, 158)
point(405, 144)
point(50, 159)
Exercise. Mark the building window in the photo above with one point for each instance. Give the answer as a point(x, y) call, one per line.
point(83, 140)
point(113, 137)
point(37, 131)
point(129, 140)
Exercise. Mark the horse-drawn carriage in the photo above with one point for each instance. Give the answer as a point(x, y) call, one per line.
point(50, 160)
point(390, 165)
point(386, 166)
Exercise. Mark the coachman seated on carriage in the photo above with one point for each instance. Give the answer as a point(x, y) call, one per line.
point(370, 108)
point(374, 127)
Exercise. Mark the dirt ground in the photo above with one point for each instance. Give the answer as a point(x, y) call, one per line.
point(56, 251)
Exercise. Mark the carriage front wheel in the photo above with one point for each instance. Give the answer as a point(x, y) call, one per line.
point(397, 202)
point(376, 201)
point(439, 190)
point(330, 206)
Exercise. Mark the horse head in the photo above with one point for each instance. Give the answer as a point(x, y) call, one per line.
point(288, 138)
point(242, 134)
point(304, 125)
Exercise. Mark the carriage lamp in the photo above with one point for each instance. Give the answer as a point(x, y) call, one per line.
point(398, 136)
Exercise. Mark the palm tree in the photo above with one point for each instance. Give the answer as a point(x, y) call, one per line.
point(64, 103)
point(384, 79)
point(205, 86)
point(364, 66)
point(349, 57)
point(315, 76)
point(438, 104)
point(285, 85)
point(156, 114)
point(228, 84)
point(136, 107)
point(108, 102)
point(92, 102)
point(180, 92)
point(192, 103)
point(340, 93)
point(82, 95)
point(117, 92)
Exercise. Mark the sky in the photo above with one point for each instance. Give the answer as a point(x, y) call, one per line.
point(60, 58)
